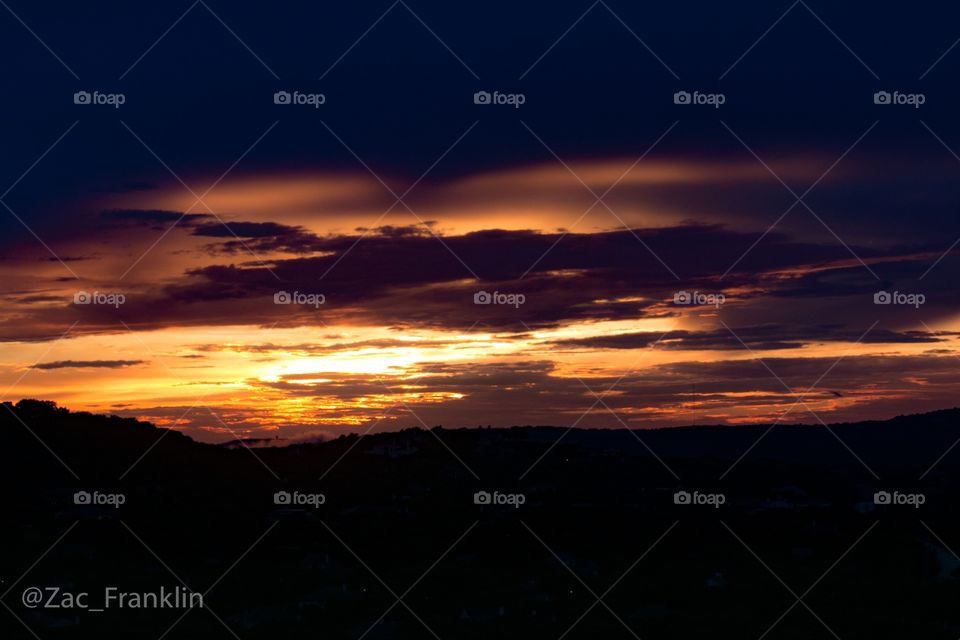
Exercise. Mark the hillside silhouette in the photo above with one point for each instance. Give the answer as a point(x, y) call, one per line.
point(799, 505)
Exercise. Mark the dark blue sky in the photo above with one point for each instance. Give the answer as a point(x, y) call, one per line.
point(399, 97)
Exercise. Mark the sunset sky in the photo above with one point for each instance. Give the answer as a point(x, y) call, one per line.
point(598, 200)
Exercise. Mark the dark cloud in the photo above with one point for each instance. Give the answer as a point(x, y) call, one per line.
point(259, 237)
point(39, 298)
point(422, 280)
point(418, 280)
point(392, 231)
point(88, 364)
point(66, 258)
point(761, 338)
point(244, 229)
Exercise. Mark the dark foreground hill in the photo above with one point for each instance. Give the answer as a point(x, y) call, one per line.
point(480, 533)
